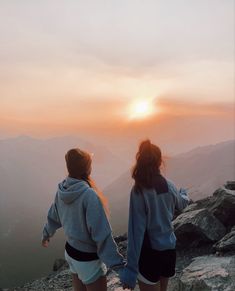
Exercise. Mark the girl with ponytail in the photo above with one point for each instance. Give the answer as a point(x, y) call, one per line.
point(82, 210)
point(151, 254)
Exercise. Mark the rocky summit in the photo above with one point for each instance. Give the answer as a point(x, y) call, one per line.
point(205, 233)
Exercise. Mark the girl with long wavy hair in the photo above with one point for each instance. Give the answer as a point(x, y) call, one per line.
point(151, 254)
point(82, 211)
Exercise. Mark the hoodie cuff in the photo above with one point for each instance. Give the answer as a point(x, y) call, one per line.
point(116, 268)
point(128, 277)
point(45, 235)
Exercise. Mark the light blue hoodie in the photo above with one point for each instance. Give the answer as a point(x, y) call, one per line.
point(152, 212)
point(78, 209)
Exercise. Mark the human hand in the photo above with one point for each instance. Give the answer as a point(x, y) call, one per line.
point(45, 243)
point(123, 279)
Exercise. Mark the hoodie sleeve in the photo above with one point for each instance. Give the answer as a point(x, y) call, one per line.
point(136, 230)
point(180, 196)
point(53, 222)
point(101, 233)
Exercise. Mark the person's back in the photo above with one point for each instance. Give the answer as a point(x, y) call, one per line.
point(151, 240)
point(161, 203)
point(77, 206)
point(82, 212)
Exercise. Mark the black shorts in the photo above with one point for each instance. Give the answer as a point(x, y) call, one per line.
point(154, 264)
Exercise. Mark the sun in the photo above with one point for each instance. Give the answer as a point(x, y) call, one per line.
point(140, 109)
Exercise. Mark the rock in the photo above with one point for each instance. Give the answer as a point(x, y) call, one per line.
point(120, 238)
point(61, 281)
point(199, 204)
point(196, 227)
point(209, 273)
point(58, 264)
point(114, 283)
point(222, 206)
point(227, 243)
point(56, 281)
point(192, 207)
point(230, 185)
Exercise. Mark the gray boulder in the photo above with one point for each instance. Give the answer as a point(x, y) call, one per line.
point(227, 243)
point(209, 273)
point(230, 185)
point(196, 227)
point(222, 206)
point(59, 263)
point(192, 207)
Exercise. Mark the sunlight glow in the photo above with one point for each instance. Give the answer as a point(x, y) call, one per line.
point(140, 109)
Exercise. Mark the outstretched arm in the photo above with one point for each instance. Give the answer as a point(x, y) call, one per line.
point(53, 223)
point(181, 197)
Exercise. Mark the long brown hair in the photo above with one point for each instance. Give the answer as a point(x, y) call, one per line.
point(79, 167)
point(147, 167)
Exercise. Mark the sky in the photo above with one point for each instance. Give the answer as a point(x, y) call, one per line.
point(77, 66)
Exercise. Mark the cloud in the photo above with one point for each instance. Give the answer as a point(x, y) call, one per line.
point(129, 34)
point(194, 108)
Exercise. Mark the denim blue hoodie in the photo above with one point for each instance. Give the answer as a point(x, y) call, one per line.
point(151, 211)
point(78, 209)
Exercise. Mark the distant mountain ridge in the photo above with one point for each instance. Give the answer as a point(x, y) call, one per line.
point(203, 169)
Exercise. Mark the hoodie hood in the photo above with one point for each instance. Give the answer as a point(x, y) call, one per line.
point(70, 189)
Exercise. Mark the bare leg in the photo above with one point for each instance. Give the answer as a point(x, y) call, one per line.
point(77, 284)
point(164, 283)
point(147, 287)
point(100, 284)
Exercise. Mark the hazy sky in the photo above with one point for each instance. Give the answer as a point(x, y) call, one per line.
point(71, 64)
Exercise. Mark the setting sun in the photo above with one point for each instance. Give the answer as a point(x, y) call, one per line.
point(140, 109)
